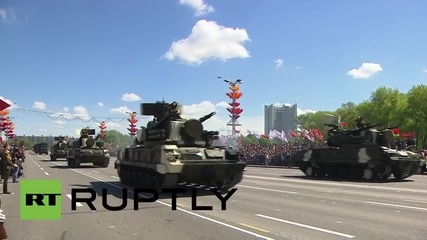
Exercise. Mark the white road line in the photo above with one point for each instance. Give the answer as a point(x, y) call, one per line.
point(183, 210)
point(306, 181)
point(397, 205)
point(324, 191)
point(306, 226)
point(115, 177)
point(94, 171)
point(46, 173)
point(41, 169)
point(415, 201)
point(267, 189)
point(77, 203)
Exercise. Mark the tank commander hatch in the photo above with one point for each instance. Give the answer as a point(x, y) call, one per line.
point(174, 110)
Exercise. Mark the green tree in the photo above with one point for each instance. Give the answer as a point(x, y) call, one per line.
point(417, 111)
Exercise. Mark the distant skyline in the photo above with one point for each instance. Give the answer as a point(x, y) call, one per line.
point(99, 61)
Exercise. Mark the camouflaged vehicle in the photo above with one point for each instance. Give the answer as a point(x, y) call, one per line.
point(40, 148)
point(361, 153)
point(172, 150)
point(88, 150)
point(59, 149)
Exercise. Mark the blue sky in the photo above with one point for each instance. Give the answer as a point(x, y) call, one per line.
point(103, 58)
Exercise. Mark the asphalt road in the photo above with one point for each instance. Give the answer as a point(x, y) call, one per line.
point(270, 203)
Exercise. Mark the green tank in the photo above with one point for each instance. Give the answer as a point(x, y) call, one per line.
point(88, 150)
point(362, 153)
point(59, 149)
point(40, 148)
point(172, 151)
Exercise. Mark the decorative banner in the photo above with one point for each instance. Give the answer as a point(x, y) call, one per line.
point(132, 124)
point(4, 105)
point(234, 109)
point(4, 112)
point(102, 127)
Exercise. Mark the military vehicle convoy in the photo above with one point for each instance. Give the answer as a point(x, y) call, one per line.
point(40, 148)
point(172, 151)
point(87, 150)
point(59, 149)
point(361, 153)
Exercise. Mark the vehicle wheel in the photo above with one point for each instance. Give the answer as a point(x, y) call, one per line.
point(309, 171)
point(52, 158)
point(70, 162)
point(105, 163)
point(368, 174)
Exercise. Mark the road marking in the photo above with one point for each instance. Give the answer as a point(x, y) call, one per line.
point(306, 226)
point(95, 171)
point(77, 203)
point(46, 173)
point(324, 191)
point(267, 189)
point(415, 201)
point(185, 211)
point(397, 205)
point(253, 227)
point(41, 169)
point(115, 177)
point(336, 184)
point(181, 205)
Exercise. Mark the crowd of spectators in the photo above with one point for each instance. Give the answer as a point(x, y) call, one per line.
point(276, 154)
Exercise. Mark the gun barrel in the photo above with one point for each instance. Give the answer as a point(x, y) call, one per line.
point(206, 117)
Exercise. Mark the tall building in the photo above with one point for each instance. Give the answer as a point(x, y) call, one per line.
point(280, 118)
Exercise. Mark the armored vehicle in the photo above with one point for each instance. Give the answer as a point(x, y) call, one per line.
point(172, 151)
point(58, 149)
point(40, 148)
point(361, 153)
point(88, 150)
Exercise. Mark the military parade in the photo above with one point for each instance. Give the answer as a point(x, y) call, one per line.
point(115, 121)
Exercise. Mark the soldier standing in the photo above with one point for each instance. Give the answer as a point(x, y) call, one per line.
point(6, 158)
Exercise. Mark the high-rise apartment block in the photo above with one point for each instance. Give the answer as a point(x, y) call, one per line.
point(280, 118)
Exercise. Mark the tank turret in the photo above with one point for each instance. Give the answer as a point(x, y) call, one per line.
point(169, 127)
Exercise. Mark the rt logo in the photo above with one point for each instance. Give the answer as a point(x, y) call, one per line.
point(40, 199)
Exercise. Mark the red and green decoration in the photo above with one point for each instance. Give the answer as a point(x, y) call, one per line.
point(235, 110)
point(132, 123)
point(102, 128)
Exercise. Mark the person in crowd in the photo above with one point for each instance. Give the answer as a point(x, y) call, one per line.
point(7, 164)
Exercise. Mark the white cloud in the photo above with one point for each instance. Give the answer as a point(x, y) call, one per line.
point(100, 104)
point(39, 105)
point(208, 40)
point(81, 112)
point(365, 71)
point(130, 97)
point(297, 67)
point(425, 70)
point(59, 124)
point(3, 14)
point(66, 109)
point(304, 111)
point(7, 16)
point(121, 109)
point(222, 104)
point(199, 6)
point(112, 125)
point(278, 62)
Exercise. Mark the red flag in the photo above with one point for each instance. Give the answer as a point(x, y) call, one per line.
point(3, 105)
point(292, 133)
point(396, 131)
